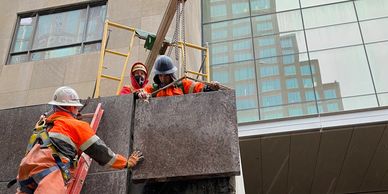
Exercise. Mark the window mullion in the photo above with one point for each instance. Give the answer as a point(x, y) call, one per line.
point(85, 29)
point(32, 38)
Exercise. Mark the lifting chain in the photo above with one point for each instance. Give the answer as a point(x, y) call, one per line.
point(179, 33)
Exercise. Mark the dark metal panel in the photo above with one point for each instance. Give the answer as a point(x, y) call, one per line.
point(378, 166)
point(275, 156)
point(251, 165)
point(303, 156)
point(332, 149)
point(113, 182)
point(358, 157)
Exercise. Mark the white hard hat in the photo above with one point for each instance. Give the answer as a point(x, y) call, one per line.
point(65, 96)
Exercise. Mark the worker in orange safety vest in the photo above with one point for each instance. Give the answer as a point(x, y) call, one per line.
point(138, 78)
point(47, 167)
point(164, 71)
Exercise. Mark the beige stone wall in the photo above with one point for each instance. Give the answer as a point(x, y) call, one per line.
point(34, 82)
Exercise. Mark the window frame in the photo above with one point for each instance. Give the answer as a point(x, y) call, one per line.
point(35, 19)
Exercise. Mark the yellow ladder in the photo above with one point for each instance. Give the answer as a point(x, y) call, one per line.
point(104, 50)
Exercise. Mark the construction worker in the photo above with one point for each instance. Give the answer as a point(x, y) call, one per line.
point(138, 77)
point(164, 71)
point(46, 166)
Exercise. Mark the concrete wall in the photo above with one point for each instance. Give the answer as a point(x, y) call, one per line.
point(32, 83)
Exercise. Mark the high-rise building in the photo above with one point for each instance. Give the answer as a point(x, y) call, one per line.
point(302, 69)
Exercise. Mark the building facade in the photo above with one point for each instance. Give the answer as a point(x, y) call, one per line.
point(47, 44)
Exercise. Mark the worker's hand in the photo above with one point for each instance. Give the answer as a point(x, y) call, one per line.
point(142, 95)
point(135, 157)
point(214, 85)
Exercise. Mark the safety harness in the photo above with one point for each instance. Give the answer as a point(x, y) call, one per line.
point(40, 135)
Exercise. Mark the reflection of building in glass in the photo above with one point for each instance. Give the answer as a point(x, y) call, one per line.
point(263, 64)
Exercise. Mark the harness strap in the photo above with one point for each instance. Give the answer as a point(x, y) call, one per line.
point(29, 185)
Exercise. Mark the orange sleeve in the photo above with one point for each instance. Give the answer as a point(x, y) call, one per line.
point(192, 87)
point(149, 89)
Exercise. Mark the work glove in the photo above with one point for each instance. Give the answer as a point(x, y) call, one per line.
point(214, 86)
point(142, 95)
point(135, 157)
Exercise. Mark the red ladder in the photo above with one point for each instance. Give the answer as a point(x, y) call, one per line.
point(84, 162)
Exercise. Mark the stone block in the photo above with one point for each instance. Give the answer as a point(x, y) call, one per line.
point(113, 182)
point(5, 190)
point(115, 125)
point(16, 127)
point(190, 136)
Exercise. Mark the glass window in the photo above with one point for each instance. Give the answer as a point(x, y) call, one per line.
point(294, 97)
point(227, 30)
point(334, 36)
point(266, 41)
point(307, 83)
point(244, 73)
point(286, 43)
point(305, 70)
point(271, 60)
point(332, 107)
point(60, 29)
point(276, 23)
point(292, 83)
point(309, 94)
point(217, 11)
point(63, 52)
point(311, 109)
point(260, 5)
point(219, 59)
point(372, 30)
point(269, 71)
point(329, 15)
point(96, 23)
point(270, 85)
point(242, 45)
point(245, 104)
point(329, 94)
point(377, 54)
point(68, 30)
point(369, 9)
point(288, 59)
point(349, 61)
point(295, 111)
point(218, 48)
point(266, 52)
point(224, 10)
point(240, 8)
point(271, 100)
point(245, 89)
point(290, 70)
point(220, 76)
point(307, 3)
point(247, 115)
point(23, 35)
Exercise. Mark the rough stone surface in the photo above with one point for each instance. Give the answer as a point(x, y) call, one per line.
point(185, 137)
point(16, 127)
point(113, 182)
point(115, 126)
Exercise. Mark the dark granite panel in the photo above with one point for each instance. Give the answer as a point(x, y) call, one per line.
point(115, 125)
point(187, 136)
point(5, 190)
point(16, 126)
point(220, 185)
point(112, 183)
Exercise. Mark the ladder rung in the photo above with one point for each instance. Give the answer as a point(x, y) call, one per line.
point(116, 53)
point(110, 77)
point(196, 73)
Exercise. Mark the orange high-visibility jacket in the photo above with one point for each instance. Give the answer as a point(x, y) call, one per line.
point(70, 136)
point(188, 87)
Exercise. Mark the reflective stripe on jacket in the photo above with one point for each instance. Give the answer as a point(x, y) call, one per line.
point(188, 87)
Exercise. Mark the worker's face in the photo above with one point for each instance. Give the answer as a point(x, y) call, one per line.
point(165, 78)
point(73, 109)
point(139, 73)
